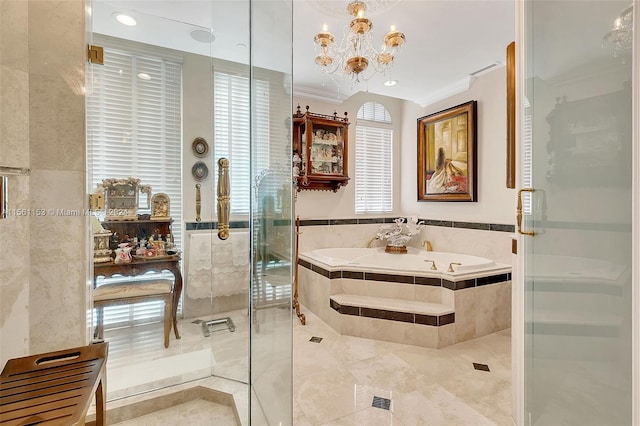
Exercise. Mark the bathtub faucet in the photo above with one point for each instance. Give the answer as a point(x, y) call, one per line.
point(451, 266)
point(427, 245)
point(433, 264)
point(370, 242)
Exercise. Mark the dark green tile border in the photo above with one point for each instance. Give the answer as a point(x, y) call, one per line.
point(387, 314)
point(196, 226)
point(444, 223)
point(406, 279)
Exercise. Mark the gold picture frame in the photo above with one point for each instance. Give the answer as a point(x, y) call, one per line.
point(447, 159)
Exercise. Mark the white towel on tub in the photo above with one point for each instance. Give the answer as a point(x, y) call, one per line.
point(214, 272)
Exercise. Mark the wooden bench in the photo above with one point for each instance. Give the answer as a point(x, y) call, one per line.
point(54, 388)
point(134, 292)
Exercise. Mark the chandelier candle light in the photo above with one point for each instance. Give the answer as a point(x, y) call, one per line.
point(356, 53)
point(621, 36)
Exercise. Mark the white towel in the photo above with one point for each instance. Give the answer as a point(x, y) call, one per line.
point(218, 268)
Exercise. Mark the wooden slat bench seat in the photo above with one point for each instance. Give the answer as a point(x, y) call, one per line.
point(134, 292)
point(54, 388)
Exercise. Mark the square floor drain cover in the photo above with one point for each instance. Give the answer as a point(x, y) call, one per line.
point(315, 339)
point(481, 367)
point(379, 402)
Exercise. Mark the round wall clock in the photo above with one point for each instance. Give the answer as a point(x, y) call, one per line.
point(200, 147)
point(200, 171)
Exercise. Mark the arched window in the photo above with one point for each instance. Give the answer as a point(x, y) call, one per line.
point(374, 160)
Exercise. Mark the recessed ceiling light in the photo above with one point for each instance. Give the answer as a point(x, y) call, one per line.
point(242, 45)
point(203, 36)
point(390, 83)
point(144, 76)
point(125, 19)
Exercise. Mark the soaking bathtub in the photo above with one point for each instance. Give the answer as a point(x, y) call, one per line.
point(415, 261)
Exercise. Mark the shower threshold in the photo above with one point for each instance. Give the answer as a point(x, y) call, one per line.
point(217, 324)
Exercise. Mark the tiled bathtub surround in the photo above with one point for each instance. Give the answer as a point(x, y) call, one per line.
point(419, 310)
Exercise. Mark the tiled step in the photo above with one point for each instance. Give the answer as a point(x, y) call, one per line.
point(575, 323)
point(411, 311)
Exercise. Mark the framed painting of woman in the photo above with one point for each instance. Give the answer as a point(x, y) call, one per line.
point(447, 159)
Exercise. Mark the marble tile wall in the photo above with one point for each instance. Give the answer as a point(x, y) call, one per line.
point(14, 152)
point(43, 273)
point(59, 239)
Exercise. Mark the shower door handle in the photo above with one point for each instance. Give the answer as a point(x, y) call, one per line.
point(519, 213)
point(224, 205)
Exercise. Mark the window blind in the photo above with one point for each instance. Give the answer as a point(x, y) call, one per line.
point(134, 126)
point(527, 155)
point(232, 132)
point(374, 158)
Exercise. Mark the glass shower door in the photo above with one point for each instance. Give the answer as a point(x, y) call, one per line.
point(230, 71)
point(271, 350)
point(576, 202)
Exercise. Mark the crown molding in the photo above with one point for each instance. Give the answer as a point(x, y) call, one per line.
point(328, 96)
point(447, 91)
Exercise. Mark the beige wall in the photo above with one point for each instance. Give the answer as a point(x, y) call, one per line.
point(43, 274)
point(341, 204)
point(496, 203)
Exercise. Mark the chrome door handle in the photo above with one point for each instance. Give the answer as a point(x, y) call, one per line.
point(519, 213)
point(224, 206)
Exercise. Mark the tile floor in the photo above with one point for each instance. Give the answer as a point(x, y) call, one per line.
point(197, 412)
point(337, 379)
point(343, 380)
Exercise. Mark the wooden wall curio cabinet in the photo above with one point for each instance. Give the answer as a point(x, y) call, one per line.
point(320, 150)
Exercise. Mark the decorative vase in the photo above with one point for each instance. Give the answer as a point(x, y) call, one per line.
point(395, 249)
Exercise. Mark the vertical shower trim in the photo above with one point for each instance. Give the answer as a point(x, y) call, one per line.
point(5, 172)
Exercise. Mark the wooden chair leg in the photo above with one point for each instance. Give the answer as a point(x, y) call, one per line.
point(99, 322)
point(168, 309)
point(101, 404)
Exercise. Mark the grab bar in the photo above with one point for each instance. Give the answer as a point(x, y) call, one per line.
point(224, 206)
point(17, 171)
point(4, 205)
point(198, 203)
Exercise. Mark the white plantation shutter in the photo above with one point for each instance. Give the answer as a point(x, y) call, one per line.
point(232, 132)
point(373, 176)
point(134, 127)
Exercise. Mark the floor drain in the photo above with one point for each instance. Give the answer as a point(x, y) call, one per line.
point(218, 324)
point(315, 339)
point(481, 367)
point(379, 402)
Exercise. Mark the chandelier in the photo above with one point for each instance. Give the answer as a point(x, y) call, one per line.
point(621, 36)
point(356, 56)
